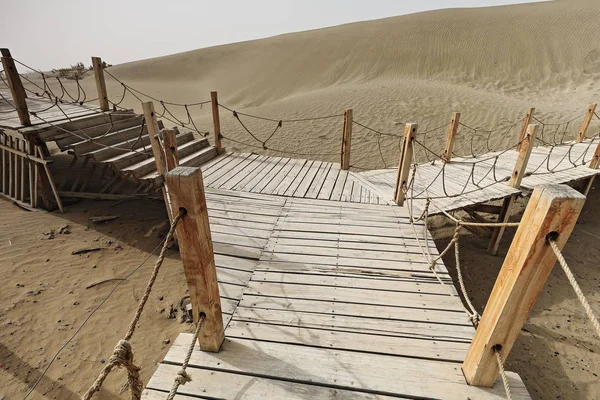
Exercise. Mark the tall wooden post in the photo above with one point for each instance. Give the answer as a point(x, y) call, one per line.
point(186, 189)
point(410, 131)
point(527, 145)
point(552, 210)
point(216, 121)
point(347, 140)
point(159, 158)
point(586, 122)
point(526, 122)
point(170, 141)
point(100, 84)
point(16, 87)
point(451, 134)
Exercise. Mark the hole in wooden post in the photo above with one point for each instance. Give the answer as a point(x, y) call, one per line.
point(552, 236)
point(497, 347)
point(183, 211)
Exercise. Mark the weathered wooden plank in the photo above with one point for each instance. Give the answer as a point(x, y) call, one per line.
point(343, 340)
point(308, 178)
point(226, 385)
point(313, 365)
point(284, 185)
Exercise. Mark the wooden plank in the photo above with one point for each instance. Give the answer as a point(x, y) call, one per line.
point(312, 365)
point(552, 210)
point(170, 142)
point(282, 174)
point(338, 189)
point(225, 385)
point(344, 340)
point(243, 177)
point(454, 123)
point(278, 164)
point(426, 325)
point(296, 167)
point(329, 182)
point(355, 296)
point(308, 178)
point(100, 83)
point(195, 245)
point(295, 184)
point(233, 173)
point(318, 181)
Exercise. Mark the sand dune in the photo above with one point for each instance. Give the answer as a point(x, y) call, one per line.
point(491, 64)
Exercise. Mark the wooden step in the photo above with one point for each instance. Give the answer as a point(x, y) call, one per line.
point(87, 146)
point(116, 149)
point(148, 166)
point(65, 139)
point(52, 131)
point(127, 159)
point(193, 160)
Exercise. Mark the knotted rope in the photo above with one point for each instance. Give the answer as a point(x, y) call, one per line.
point(123, 354)
point(182, 376)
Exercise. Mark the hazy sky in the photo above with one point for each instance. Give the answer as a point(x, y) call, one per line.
point(48, 34)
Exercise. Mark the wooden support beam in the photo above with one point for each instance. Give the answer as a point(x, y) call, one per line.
point(347, 140)
point(553, 210)
point(186, 189)
point(153, 133)
point(16, 87)
point(170, 142)
point(526, 122)
point(100, 83)
point(586, 122)
point(410, 131)
point(454, 122)
point(216, 121)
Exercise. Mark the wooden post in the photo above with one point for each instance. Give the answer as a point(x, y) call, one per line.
point(186, 189)
point(410, 131)
point(216, 121)
point(586, 122)
point(526, 122)
point(16, 87)
point(450, 138)
point(170, 142)
point(552, 210)
point(100, 84)
point(593, 165)
point(347, 140)
point(527, 145)
point(515, 181)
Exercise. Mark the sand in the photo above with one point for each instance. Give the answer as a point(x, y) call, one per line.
point(490, 64)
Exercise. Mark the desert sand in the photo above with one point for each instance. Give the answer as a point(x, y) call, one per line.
point(490, 64)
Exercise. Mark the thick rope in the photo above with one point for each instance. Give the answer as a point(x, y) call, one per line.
point(474, 314)
point(576, 288)
point(122, 354)
point(503, 373)
point(182, 376)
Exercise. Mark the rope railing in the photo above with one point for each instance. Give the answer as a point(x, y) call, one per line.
point(123, 354)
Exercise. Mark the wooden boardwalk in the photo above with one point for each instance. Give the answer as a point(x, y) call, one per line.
point(288, 177)
point(326, 299)
point(465, 181)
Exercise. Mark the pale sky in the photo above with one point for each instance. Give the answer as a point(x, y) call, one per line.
point(49, 34)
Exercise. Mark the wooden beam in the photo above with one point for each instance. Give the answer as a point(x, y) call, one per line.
point(100, 83)
point(216, 121)
point(586, 122)
point(527, 145)
point(454, 122)
point(186, 188)
point(526, 122)
point(153, 133)
point(16, 87)
point(552, 210)
point(410, 131)
point(347, 140)
point(170, 142)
